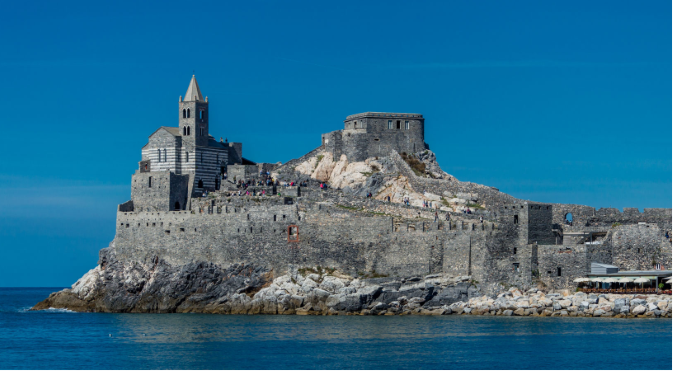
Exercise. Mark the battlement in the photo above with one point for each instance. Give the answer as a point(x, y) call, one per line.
point(383, 115)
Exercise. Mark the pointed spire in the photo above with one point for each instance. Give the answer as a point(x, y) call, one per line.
point(193, 91)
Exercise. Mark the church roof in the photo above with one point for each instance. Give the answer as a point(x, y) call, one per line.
point(193, 91)
point(173, 130)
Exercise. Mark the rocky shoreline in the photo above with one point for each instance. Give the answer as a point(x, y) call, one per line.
point(242, 289)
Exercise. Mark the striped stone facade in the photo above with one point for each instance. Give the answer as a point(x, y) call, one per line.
point(189, 149)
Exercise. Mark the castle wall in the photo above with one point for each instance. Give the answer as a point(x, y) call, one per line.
point(242, 172)
point(236, 231)
point(369, 135)
point(639, 247)
point(158, 191)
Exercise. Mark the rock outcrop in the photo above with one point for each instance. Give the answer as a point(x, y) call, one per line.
point(156, 287)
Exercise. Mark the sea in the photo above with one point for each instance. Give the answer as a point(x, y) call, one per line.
point(60, 339)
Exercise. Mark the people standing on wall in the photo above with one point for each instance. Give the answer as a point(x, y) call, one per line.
point(481, 219)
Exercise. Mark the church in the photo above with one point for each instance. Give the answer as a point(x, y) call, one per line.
point(184, 161)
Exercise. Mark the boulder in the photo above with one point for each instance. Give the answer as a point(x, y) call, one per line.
point(507, 312)
point(347, 290)
point(565, 303)
point(308, 285)
point(598, 312)
point(621, 302)
point(347, 303)
point(639, 309)
point(331, 284)
point(369, 293)
point(297, 301)
point(519, 312)
point(449, 295)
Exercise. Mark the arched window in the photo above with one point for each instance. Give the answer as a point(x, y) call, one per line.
point(159, 159)
point(165, 156)
point(189, 130)
point(201, 131)
point(186, 156)
point(188, 112)
point(569, 218)
point(200, 183)
point(184, 113)
point(177, 205)
point(201, 114)
point(184, 130)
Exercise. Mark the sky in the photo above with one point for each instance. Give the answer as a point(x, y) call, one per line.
point(562, 102)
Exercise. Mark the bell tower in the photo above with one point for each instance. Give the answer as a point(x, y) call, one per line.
point(194, 115)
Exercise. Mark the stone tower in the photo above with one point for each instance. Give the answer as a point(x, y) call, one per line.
point(194, 116)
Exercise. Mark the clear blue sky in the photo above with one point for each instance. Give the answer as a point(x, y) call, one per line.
point(549, 101)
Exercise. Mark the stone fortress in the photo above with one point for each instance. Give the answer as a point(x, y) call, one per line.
point(387, 211)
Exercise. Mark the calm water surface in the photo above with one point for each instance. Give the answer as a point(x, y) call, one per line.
point(58, 339)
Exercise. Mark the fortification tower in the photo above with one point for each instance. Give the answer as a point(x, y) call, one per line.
point(194, 116)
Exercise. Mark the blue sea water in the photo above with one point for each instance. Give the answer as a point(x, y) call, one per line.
point(57, 339)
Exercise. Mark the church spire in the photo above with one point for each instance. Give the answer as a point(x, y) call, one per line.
point(193, 91)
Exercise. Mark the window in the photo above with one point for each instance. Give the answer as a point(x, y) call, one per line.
point(516, 219)
point(515, 251)
point(201, 114)
point(150, 183)
point(188, 113)
point(406, 125)
point(201, 131)
point(159, 155)
point(292, 233)
point(184, 113)
point(516, 267)
point(399, 125)
point(184, 130)
point(390, 124)
point(200, 183)
point(186, 156)
point(177, 205)
point(165, 156)
point(558, 271)
point(189, 130)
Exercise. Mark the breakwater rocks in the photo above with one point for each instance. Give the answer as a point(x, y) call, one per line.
point(156, 287)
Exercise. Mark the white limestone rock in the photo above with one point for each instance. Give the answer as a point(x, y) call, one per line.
point(331, 284)
point(84, 287)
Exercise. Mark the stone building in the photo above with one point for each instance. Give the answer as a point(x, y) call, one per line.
point(517, 242)
point(373, 134)
point(180, 162)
